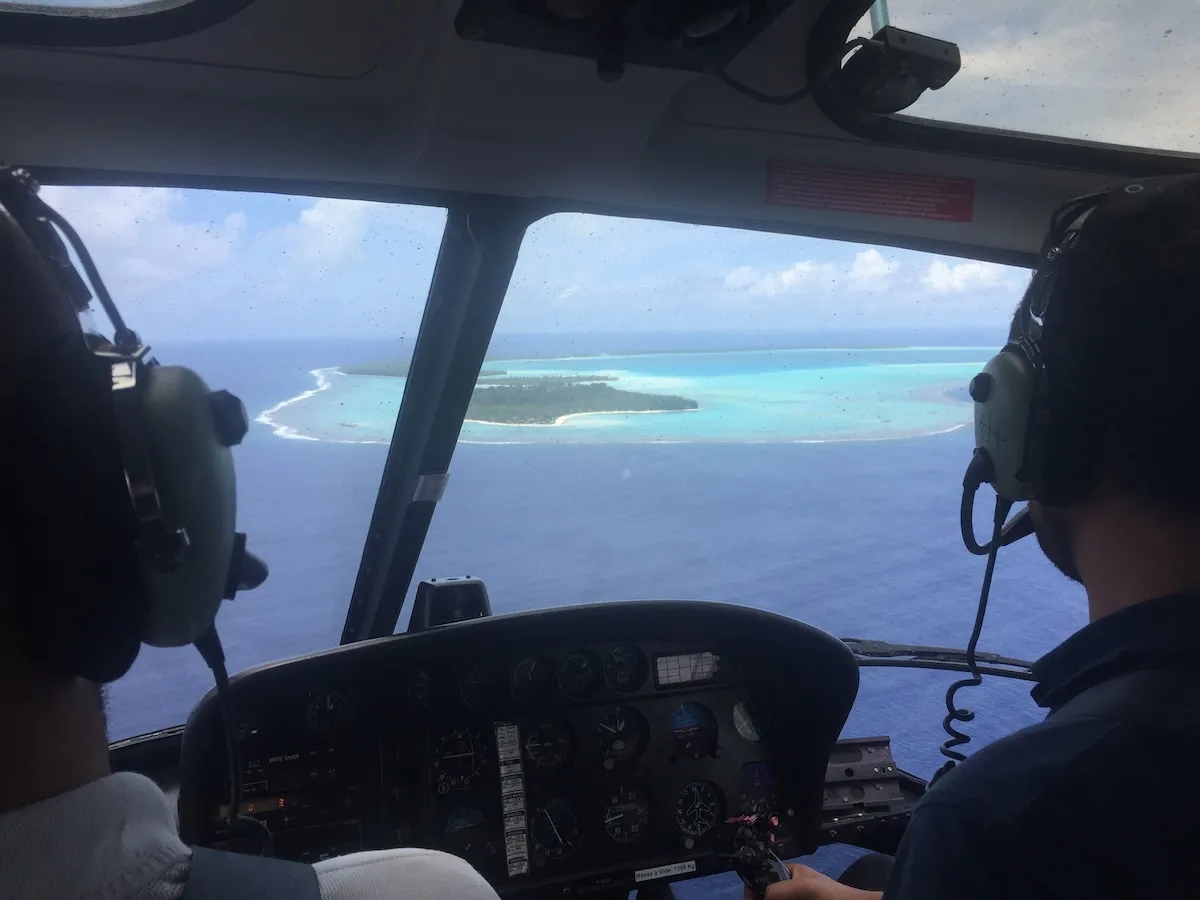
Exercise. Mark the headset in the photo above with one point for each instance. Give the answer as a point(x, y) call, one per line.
point(131, 460)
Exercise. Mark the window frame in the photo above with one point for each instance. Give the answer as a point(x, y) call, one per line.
point(158, 20)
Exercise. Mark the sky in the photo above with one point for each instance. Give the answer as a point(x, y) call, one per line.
point(191, 265)
point(188, 264)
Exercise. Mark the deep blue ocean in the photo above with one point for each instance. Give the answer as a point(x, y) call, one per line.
point(859, 538)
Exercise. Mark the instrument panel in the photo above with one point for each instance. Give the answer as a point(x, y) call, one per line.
point(572, 750)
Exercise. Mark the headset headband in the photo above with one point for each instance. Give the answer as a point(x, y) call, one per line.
point(1062, 236)
point(159, 542)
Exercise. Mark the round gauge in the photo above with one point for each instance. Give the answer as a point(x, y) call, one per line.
point(626, 814)
point(578, 674)
point(327, 712)
point(693, 730)
point(549, 744)
point(420, 690)
point(458, 757)
point(625, 668)
point(622, 732)
point(750, 721)
point(532, 678)
point(554, 828)
point(699, 808)
point(482, 685)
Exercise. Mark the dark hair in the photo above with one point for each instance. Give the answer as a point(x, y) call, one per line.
point(73, 591)
point(1121, 349)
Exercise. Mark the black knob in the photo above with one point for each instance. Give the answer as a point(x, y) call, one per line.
point(229, 417)
point(981, 387)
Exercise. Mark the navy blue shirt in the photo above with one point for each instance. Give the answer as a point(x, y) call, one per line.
point(1093, 807)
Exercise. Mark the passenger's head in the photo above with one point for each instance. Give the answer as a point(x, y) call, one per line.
point(61, 553)
point(1121, 350)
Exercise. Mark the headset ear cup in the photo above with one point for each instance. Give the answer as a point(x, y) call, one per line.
point(194, 475)
point(1003, 394)
point(85, 606)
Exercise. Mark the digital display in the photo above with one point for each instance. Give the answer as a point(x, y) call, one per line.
point(686, 668)
point(258, 806)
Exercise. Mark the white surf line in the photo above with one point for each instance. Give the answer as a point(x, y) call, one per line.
point(266, 417)
point(565, 420)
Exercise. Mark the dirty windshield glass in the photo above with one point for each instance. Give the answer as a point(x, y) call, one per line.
point(1113, 71)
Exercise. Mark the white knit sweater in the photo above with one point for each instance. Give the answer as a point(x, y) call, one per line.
point(115, 839)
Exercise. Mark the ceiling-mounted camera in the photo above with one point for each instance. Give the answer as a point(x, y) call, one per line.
point(894, 68)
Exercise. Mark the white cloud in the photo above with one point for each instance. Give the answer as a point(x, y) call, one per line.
point(870, 271)
point(741, 277)
point(792, 279)
point(140, 231)
point(964, 276)
point(330, 230)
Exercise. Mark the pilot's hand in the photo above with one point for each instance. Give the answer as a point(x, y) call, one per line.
point(809, 884)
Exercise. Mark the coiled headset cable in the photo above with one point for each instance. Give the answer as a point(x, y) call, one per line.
point(976, 474)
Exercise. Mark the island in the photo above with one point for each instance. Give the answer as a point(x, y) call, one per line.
point(395, 369)
point(547, 400)
point(503, 399)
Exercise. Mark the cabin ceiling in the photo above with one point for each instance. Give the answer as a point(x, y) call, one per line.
point(358, 96)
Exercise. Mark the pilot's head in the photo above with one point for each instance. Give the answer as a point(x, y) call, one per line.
point(65, 529)
point(1121, 349)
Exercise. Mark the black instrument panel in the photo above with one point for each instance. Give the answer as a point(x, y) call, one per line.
point(569, 750)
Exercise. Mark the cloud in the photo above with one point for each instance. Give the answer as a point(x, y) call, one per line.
point(142, 229)
point(792, 279)
point(870, 271)
point(331, 230)
point(195, 263)
point(944, 278)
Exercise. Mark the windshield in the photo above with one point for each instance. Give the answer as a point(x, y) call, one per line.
point(1113, 71)
point(674, 411)
point(262, 295)
point(667, 411)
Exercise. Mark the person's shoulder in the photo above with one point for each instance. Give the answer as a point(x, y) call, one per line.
point(404, 874)
point(1007, 776)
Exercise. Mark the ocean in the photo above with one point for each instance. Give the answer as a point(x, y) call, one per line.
point(818, 479)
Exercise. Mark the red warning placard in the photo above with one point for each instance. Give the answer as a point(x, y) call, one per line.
point(870, 193)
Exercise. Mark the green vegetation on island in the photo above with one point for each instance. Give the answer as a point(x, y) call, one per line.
point(504, 399)
point(541, 401)
point(395, 369)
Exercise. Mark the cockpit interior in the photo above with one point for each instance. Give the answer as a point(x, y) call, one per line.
point(595, 733)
